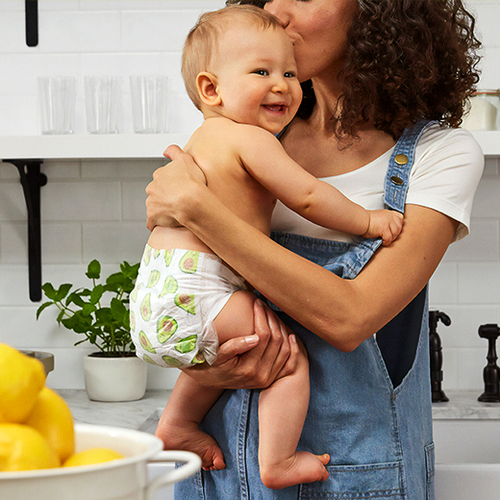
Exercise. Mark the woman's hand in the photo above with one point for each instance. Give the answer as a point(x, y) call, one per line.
point(171, 188)
point(253, 362)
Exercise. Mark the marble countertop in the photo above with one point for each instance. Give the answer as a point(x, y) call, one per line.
point(130, 414)
point(463, 405)
point(140, 414)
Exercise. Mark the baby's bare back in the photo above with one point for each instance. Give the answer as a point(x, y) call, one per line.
point(214, 147)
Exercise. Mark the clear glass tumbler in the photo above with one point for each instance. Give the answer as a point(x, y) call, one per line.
point(149, 103)
point(103, 101)
point(57, 99)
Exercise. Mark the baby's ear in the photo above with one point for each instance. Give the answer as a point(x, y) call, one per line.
point(206, 83)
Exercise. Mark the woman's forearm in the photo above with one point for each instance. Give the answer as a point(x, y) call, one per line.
point(343, 312)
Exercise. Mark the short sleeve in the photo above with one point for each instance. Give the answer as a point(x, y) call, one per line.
point(447, 170)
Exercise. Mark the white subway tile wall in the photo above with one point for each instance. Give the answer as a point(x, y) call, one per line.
point(95, 209)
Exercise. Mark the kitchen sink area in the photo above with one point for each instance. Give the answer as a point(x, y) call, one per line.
point(466, 435)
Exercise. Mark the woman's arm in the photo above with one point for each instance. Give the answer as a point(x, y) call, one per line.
point(343, 312)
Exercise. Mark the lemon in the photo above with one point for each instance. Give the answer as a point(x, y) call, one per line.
point(52, 417)
point(24, 448)
point(21, 379)
point(92, 456)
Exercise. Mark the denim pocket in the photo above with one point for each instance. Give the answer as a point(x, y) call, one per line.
point(190, 488)
point(382, 481)
point(430, 469)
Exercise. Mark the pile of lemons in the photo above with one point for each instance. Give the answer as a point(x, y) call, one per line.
point(36, 425)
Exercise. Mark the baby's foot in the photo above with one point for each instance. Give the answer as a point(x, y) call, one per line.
point(189, 437)
point(301, 467)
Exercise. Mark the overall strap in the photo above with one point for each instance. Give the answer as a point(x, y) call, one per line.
point(400, 164)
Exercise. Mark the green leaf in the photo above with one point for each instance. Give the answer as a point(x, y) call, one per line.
point(49, 291)
point(118, 309)
point(75, 298)
point(88, 309)
point(42, 307)
point(93, 270)
point(63, 291)
point(104, 316)
point(96, 294)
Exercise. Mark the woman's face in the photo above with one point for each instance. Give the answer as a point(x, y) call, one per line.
point(318, 29)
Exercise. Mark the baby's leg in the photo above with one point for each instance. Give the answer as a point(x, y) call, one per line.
point(282, 411)
point(189, 403)
point(178, 425)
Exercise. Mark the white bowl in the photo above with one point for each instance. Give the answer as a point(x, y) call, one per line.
point(124, 479)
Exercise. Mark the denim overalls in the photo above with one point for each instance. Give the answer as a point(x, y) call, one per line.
point(370, 409)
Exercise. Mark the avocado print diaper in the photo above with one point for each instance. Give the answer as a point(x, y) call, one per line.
point(178, 294)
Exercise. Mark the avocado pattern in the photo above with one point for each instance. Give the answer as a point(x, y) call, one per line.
point(198, 359)
point(135, 291)
point(154, 277)
point(145, 343)
point(187, 344)
point(170, 361)
point(131, 320)
point(189, 262)
point(146, 358)
point(165, 328)
point(146, 307)
point(168, 256)
point(146, 256)
point(186, 302)
point(160, 333)
point(170, 286)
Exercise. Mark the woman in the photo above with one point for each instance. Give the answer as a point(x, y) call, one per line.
point(375, 73)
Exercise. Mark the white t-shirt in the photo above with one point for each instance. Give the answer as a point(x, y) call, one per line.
point(447, 169)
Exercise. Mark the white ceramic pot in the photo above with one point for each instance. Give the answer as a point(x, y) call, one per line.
point(124, 479)
point(114, 379)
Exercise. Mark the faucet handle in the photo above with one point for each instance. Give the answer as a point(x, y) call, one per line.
point(489, 331)
point(436, 316)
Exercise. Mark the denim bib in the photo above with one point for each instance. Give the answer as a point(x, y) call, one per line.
point(370, 409)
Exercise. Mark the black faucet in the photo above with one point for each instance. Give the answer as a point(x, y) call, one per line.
point(491, 372)
point(436, 354)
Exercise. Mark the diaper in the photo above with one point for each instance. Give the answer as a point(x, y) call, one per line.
point(178, 294)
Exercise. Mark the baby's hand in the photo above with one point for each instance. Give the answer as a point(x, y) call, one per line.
point(386, 224)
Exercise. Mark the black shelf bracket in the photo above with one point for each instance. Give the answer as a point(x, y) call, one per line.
point(32, 180)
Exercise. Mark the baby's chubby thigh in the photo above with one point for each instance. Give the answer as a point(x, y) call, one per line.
point(236, 318)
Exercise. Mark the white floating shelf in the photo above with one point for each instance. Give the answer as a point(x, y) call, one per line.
point(81, 146)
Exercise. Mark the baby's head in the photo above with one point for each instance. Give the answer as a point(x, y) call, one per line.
point(201, 49)
point(238, 63)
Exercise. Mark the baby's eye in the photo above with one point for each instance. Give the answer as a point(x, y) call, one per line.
point(289, 74)
point(261, 72)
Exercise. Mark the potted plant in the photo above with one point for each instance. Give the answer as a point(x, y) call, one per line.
point(100, 314)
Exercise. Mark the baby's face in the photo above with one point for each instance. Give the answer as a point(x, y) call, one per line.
point(257, 77)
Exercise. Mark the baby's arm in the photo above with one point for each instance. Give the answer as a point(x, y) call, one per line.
point(265, 159)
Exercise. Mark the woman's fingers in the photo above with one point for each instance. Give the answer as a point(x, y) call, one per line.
point(236, 347)
point(254, 361)
point(291, 362)
point(172, 152)
point(170, 191)
point(272, 353)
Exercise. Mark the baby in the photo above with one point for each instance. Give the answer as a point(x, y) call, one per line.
point(239, 70)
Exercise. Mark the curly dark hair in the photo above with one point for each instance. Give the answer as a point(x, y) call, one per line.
point(405, 60)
